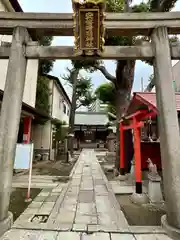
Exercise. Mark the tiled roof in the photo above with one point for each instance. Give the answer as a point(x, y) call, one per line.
point(91, 118)
point(150, 98)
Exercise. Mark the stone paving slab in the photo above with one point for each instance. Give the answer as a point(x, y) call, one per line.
point(68, 236)
point(96, 236)
point(38, 181)
point(17, 234)
point(146, 229)
point(122, 237)
point(152, 237)
point(34, 185)
point(123, 187)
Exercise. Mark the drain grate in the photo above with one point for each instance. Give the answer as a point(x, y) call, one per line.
point(40, 218)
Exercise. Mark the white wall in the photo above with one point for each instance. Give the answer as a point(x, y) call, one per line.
point(176, 75)
point(41, 135)
point(57, 107)
point(29, 96)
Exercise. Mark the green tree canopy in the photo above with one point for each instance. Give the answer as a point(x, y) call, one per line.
point(45, 66)
point(43, 92)
point(106, 93)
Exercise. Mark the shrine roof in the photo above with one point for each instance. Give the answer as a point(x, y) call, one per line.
point(148, 100)
point(91, 118)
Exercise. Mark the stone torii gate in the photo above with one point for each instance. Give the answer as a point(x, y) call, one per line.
point(157, 25)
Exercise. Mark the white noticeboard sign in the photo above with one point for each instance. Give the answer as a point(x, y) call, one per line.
point(23, 156)
point(24, 160)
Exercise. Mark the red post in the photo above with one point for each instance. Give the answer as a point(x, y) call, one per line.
point(122, 164)
point(137, 155)
point(27, 130)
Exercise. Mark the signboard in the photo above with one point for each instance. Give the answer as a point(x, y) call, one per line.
point(24, 160)
point(23, 156)
point(88, 27)
point(89, 20)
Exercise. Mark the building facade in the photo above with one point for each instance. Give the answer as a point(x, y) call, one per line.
point(60, 103)
point(91, 128)
point(176, 75)
point(29, 97)
point(59, 110)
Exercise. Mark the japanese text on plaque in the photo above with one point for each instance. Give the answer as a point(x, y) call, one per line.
point(89, 21)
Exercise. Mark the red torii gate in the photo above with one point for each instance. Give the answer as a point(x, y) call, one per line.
point(135, 122)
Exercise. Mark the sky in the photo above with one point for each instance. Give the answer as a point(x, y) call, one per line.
point(142, 70)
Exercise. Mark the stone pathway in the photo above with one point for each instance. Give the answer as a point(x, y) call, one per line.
point(84, 209)
point(38, 181)
point(124, 187)
point(55, 235)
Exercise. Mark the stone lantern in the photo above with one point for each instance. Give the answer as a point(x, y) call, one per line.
point(111, 138)
point(88, 27)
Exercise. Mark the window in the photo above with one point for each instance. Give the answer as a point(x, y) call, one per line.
point(64, 108)
point(68, 112)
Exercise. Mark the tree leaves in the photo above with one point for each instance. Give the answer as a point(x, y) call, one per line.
point(45, 66)
point(84, 96)
point(161, 5)
point(42, 94)
point(142, 7)
point(106, 93)
point(114, 5)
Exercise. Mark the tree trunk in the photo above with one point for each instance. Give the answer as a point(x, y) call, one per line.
point(121, 103)
point(74, 76)
point(124, 81)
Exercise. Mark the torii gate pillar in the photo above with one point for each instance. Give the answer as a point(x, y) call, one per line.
point(9, 121)
point(169, 130)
